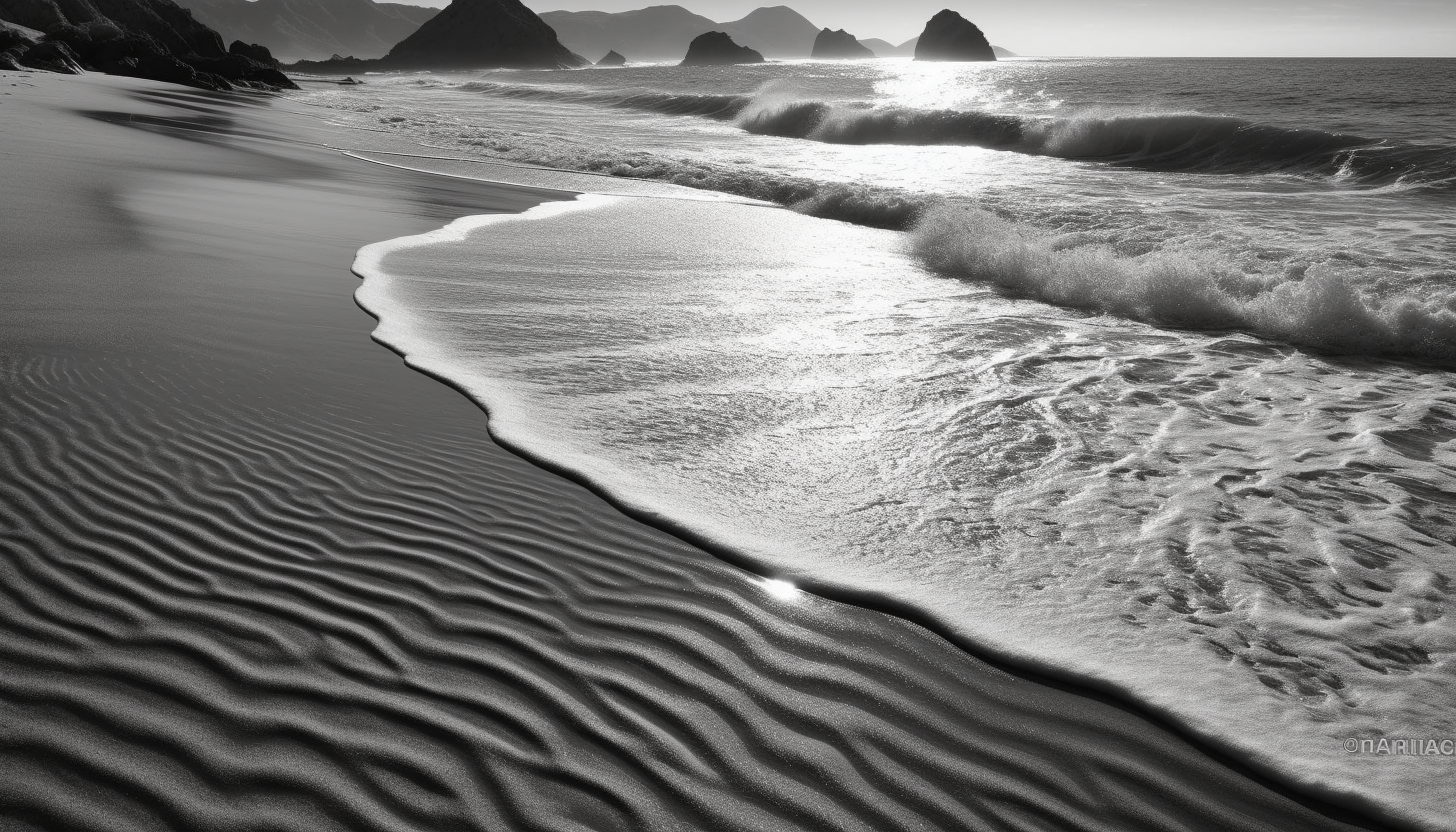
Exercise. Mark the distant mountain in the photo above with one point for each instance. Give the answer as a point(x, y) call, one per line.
point(656, 33)
point(294, 29)
point(776, 31)
point(881, 48)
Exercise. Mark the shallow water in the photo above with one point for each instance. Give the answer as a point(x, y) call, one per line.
point(1172, 418)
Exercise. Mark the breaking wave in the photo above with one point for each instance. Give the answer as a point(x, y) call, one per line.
point(1321, 306)
point(1172, 142)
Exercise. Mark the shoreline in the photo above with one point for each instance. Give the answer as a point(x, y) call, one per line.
point(154, 233)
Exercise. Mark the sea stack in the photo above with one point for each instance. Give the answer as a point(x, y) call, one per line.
point(717, 49)
point(950, 37)
point(840, 44)
point(612, 58)
point(482, 34)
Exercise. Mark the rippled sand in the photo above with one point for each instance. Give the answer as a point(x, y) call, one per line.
point(256, 574)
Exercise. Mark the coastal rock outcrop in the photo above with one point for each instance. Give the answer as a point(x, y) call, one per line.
point(839, 44)
point(24, 48)
point(612, 58)
point(717, 49)
point(254, 51)
point(154, 39)
point(950, 37)
point(482, 34)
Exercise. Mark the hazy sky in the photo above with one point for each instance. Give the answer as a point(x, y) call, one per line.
point(1124, 27)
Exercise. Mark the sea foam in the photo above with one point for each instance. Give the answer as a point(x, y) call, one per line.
point(1242, 537)
point(1320, 306)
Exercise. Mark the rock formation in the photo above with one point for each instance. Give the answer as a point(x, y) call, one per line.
point(612, 58)
point(717, 49)
point(154, 39)
point(479, 34)
point(656, 33)
point(255, 51)
point(774, 31)
point(24, 48)
point(950, 37)
point(840, 44)
point(311, 29)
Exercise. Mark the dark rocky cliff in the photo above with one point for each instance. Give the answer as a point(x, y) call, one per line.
point(717, 49)
point(840, 44)
point(472, 34)
point(950, 37)
point(612, 58)
point(154, 39)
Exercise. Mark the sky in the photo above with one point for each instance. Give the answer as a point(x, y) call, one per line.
point(1232, 28)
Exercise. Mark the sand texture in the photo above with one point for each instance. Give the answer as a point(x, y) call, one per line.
point(257, 574)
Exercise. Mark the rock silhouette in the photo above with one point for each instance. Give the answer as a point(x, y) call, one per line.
point(717, 49)
point(612, 58)
point(255, 51)
point(154, 39)
point(840, 44)
point(468, 34)
point(478, 34)
point(950, 37)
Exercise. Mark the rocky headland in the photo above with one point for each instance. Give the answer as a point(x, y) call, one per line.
point(468, 34)
point(154, 39)
point(612, 58)
point(839, 44)
point(718, 49)
point(950, 37)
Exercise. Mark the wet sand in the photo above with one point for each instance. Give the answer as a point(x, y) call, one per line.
point(257, 574)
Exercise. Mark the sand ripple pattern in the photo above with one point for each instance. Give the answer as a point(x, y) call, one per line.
point(222, 613)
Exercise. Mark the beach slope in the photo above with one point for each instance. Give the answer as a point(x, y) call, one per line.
point(256, 573)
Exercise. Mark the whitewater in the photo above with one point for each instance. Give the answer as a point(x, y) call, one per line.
point(1135, 373)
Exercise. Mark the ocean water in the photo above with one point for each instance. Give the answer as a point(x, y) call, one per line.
point(1134, 372)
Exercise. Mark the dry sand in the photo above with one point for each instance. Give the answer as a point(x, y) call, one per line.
point(257, 574)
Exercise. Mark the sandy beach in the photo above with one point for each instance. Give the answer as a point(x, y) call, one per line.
point(259, 574)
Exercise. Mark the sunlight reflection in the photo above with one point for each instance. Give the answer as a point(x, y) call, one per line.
point(782, 590)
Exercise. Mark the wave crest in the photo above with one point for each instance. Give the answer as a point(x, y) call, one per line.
point(1320, 306)
point(1172, 142)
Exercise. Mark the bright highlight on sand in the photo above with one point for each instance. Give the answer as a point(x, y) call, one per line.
point(781, 589)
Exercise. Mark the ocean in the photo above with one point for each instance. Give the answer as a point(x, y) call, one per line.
point(1132, 372)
